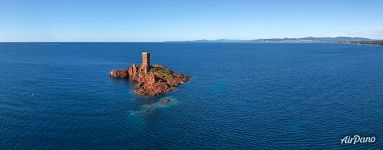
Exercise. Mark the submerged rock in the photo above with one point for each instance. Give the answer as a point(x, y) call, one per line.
point(149, 108)
point(165, 101)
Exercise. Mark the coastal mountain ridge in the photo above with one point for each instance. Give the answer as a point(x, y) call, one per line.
point(287, 40)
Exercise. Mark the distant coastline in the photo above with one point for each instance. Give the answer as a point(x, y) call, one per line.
point(340, 40)
point(372, 42)
point(285, 40)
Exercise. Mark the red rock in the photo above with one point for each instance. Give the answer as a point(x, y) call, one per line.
point(156, 81)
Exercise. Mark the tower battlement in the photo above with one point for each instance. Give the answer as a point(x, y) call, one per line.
point(145, 62)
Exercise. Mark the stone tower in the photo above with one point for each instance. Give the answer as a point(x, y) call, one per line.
point(145, 62)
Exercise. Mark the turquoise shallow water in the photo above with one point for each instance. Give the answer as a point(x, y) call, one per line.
point(241, 96)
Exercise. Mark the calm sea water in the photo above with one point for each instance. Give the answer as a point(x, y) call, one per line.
point(241, 96)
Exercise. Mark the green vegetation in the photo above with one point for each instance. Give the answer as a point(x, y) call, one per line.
point(166, 73)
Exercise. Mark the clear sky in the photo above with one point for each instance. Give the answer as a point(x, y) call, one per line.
point(162, 20)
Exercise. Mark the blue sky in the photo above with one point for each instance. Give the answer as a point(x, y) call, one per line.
point(162, 20)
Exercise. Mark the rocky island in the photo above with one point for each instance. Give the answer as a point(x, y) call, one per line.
point(150, 80)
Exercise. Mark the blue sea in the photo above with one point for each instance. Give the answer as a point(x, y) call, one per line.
point(241, 96)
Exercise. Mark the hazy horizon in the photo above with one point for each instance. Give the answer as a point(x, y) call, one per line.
point(154, 21)
point(192, 40)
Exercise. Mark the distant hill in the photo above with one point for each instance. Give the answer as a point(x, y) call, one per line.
point(289, 40)
point(371, 42)
point(219, 40)
point(314, 40)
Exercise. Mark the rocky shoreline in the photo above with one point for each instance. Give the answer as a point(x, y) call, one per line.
point(156, 80)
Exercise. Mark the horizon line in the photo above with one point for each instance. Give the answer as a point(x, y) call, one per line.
point(218, 39)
